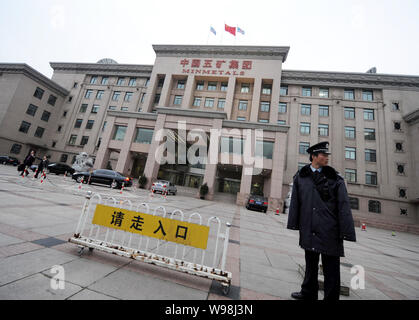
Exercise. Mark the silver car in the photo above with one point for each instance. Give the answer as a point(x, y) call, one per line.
point(163, 186)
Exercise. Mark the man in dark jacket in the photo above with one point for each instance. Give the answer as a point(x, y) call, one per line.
point(30, 158)
point(320, 210)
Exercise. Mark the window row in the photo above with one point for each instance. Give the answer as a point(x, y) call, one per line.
point(373, 206)
point(72, 141)
point(89, 124)
point(208, 102)
point(122, 81)
point(115, 95)
point(25, 126)
point(39, 93)
point(142, 135)
point(349, 94)
point(32, 109)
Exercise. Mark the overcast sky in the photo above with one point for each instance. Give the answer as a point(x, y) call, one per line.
point(323, 35)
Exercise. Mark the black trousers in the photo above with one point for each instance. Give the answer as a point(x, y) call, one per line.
point(331, 272)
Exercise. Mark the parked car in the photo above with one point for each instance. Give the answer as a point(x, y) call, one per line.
point(60, 168)
point(103, 176)
point(9, 160)
point(257, 202)
point(163, 186)
point(34, 167)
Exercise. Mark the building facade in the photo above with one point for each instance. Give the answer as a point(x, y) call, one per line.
point(234, 108)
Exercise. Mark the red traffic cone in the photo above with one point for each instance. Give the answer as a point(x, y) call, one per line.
point(363, 227)
point(277, 211)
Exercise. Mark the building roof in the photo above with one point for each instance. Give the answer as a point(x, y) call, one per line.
point(110, 68)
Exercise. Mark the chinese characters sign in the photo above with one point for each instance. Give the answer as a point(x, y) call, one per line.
point(185, 233)
point(216, 67)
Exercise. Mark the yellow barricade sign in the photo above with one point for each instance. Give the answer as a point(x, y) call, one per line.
point(189, 234)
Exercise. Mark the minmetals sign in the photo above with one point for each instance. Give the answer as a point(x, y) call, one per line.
point(215, 67)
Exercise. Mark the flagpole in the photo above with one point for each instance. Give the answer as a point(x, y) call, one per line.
point(222, 33)
point(208, 36)
point(235, 37)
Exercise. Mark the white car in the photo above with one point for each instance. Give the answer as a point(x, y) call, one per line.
point(163, 186)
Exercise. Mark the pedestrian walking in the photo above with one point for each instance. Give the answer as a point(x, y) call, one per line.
point(30, 158)
point(320, 210)
point(42, 166)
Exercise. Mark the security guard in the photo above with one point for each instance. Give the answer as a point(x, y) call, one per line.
point(320, 210)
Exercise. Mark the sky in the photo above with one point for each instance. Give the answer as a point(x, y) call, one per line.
point(323, 35)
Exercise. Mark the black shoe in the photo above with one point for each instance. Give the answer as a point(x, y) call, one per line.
point(301, 296)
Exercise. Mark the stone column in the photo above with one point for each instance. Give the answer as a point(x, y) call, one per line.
point(151, 90)
point(102, 156)
point(254, 111)
point(153, 164)
point(273, 112)
point(247, 173)
point(188, 95)
point(124, 159)
point(230, 97)
point(275, 199)
point(165, 92)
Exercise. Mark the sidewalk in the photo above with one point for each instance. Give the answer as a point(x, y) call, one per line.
point(37, 221)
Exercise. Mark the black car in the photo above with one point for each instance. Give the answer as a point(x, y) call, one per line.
point(60, 168)
point(102, 176)
point(257, 202)
point(9, 160)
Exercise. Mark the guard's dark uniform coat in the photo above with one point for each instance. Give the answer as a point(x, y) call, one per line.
point(323, 224)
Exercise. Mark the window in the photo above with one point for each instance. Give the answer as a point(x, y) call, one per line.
point(231, 145)
point(160, 83)
point(83, 108)
point(370, 155)
point(84, 140)
point(51, 100)
point(24, 127)
point(54, 143)
point(306, 91)
point(367, 95)
point(221, 103)
point(324, 93)
point(142, 98)
point(267, 89)
point(323, 111)
point(402, 193)
point(374, 206)
point(397, 126)
point(144, 136)
point(70, 98)
point(38, 93)
point(354, 203)
point(16, 148)
point(400, 169)
point(104, 125)
point(403, 212)
point(124, 108)
point(371, 178)
point(59, 128)
point(73, 139)
point(116, 95)
point(209, 102)
point(39, 132)
point(245, 88)
point(304, 128)
point(89, 124)
point(349, 113)
point(200, 85)
point(78, 123)
point(282, 107)
point(64, 158)
point(128, 96)
point(369, 134)
point(264, 106)
point(177, 100)
point(93, 80)
point(147, 82)
point(399, 147)
point(181, 84)
point(302, 147)
point(324, 130)
point(65, 114)
point(350, 132)
point(368, 114)
point(120, 82)
point(305, 109)
point(264, 149)
point(395, 106)
point(350, 153)
point(224, 86)
point(132, 82)
point(88, 94)
point(283, 91)
point(45, 116)
point(95, 108)
point(75, 85)
point(263, 120)
point(112, 108)
point(105, 80)
point(349, 94)
point(212, 86)
point(242, 105)
point(350, 175)
point(241, 118)
point(196, 102)
point(282, 122)
point(31, 110)
point(157, 98)
point(119, 133)
point(99, 94)
point(98, 143)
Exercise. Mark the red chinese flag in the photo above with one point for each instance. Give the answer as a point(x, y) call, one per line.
point(232, 30)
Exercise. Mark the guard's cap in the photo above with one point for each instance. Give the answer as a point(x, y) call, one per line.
point(322, 147)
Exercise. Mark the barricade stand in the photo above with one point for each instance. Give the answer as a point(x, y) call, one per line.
point(81, 183)
point(43, 176)
point(192, 251)
point(122, 187)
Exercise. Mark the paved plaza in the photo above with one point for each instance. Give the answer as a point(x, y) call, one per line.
point(36, 221)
